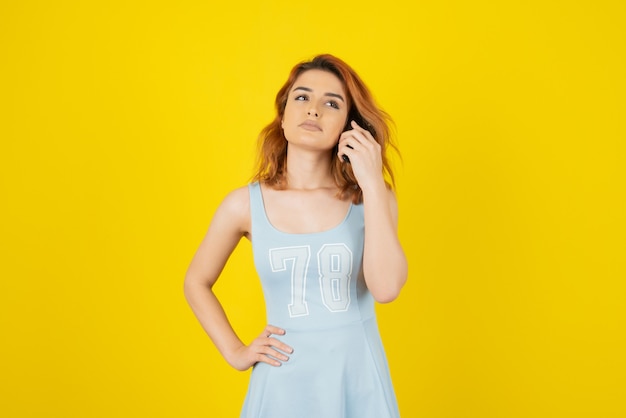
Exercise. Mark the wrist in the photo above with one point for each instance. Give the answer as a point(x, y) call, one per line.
point(374, 188)
point(230, 353)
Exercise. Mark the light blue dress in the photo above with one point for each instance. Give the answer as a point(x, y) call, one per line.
point(314, 289)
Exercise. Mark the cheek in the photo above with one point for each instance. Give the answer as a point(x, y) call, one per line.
point(341, 124)
point(287, 116)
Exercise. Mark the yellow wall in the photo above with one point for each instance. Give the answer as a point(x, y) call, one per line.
point(124, 123)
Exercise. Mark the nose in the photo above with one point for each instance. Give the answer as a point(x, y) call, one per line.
point(313, 112)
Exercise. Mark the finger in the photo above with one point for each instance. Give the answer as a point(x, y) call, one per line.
point(269, 352)
point(271, 329)
point(356, 141)
point(350, 139)
point(345, 156)
point(262, 358)
point(272, 352)
point(344, 150)
point(360, 141)
point(352, 147)
point(367, 134)
point(273, 342)
point(353, 134)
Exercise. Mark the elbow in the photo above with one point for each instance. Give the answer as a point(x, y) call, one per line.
point(389, 290)
point(190, 286)
point(386, 298)
point(195, 284)
point(187, 288)
point(386, 295)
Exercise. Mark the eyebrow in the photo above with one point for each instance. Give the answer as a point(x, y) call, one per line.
point(338, 96)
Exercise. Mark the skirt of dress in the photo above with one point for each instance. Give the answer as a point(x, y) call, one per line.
point(333, 373)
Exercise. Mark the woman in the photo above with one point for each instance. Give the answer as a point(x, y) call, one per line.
point(322, 220)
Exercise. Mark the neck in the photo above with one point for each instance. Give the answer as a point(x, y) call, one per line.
point(309, 171)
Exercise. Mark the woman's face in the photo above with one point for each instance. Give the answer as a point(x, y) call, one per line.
point(316, 111)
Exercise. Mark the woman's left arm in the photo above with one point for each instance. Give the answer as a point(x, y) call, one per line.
point(384, 262)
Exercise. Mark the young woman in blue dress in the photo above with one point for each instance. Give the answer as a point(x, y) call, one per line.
point(323, 156)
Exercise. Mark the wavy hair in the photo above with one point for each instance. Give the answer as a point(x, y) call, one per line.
point(272, 155)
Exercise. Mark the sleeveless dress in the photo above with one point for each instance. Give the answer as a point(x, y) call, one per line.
point(314, 289)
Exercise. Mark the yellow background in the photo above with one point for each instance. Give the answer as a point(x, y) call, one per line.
point(123, 124)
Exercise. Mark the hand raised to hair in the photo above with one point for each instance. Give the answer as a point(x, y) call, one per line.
point(364, 153)
point(263, 348)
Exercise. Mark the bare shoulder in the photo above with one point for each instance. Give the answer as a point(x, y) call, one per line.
point(237, 198)
point(235, 209)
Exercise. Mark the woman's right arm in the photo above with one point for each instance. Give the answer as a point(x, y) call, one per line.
point(229, 224)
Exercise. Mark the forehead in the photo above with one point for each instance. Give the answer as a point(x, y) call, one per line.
point(324, 81)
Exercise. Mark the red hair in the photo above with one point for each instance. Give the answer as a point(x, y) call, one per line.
point(272, 156)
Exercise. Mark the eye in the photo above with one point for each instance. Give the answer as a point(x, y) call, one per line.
point(333, 104)
point(301, 98)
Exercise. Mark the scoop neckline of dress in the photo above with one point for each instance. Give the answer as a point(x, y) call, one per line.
point(267, 219)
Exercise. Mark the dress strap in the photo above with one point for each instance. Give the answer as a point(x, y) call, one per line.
point(257, 209)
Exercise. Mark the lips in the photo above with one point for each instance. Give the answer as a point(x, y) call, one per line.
point(310, 125)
